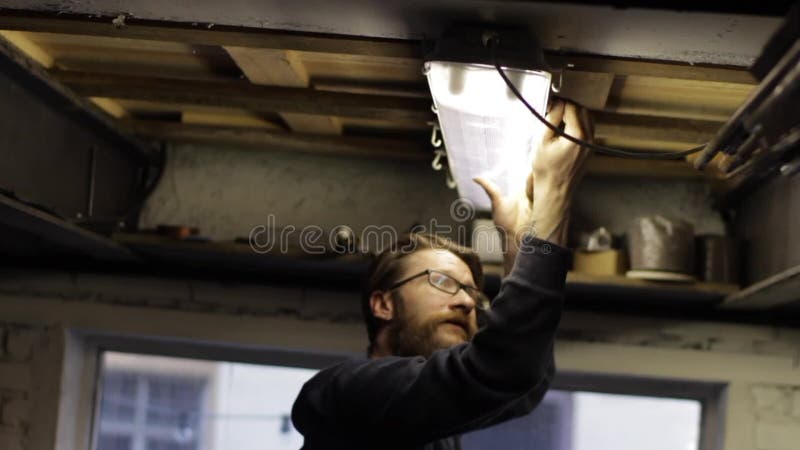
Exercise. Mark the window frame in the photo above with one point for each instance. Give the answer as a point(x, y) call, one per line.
point(93, 345)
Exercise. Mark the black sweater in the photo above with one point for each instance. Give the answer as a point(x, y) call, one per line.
point(417, 403)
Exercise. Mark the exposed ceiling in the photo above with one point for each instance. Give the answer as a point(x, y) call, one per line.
point(364, 96)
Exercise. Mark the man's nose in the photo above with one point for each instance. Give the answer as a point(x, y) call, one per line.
point(462, 300)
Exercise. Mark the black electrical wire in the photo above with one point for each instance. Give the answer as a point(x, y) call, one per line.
point(661, 155)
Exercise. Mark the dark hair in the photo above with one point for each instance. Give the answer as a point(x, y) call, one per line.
point(385, 268)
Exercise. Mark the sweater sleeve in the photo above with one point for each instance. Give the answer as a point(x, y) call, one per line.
point(414, 400)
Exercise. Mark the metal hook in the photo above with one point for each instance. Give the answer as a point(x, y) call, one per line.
point(436, 141)
point(434, 109)
point(437, 160)
point(451, 183)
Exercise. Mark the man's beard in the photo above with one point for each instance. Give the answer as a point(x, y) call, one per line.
point(408, 337)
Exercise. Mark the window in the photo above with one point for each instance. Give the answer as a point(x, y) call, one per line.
point(172, 403)
point(164, 403)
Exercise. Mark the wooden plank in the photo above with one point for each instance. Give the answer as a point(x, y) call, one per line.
point(418, 90)
point(688, 99)
point(704, 287)
point(599, 166)
point(284, 141)
point(242, 119)
point(357, 68)
point(653, 129)
point(61, 233)
point(321, 43)
point(659, 69)
point(606, 166)
point(247, 96)
point(33, 76)
point(590, 89)
point(282, 68)
point(702, 290)
point(34, 51)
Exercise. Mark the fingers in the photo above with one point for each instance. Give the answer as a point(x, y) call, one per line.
point(529, 187)
point(587, 124)
point(572, 121)
point(554, 116)
point(491, 190)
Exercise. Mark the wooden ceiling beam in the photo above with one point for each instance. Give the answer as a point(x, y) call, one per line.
point(656, 69)
point(609, 126)
point(235, 94)
point(281, 140)
point(402, 149)
point(282, 68)
point(247, 96)
point(210, 34)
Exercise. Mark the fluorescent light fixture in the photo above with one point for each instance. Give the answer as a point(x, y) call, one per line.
point(487, 131)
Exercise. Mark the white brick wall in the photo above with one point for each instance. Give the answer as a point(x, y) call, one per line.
point(777, 420)
point(17, 346)
point(777, 436)
point(796, 404)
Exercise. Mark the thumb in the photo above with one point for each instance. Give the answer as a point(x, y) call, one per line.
point(491, 190)
point(529, 187)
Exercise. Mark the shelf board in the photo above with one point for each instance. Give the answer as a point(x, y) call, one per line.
point(782, 289)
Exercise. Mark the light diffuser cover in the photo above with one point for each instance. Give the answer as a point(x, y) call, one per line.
point(487, 131)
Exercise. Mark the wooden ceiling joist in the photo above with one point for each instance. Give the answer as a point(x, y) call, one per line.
point(400, 149)
point(282, 68)
point(247, 96)
point(281, 140)
point(624, 129)
point(654, 129)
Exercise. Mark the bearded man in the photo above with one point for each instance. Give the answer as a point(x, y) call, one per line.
point(431, 373)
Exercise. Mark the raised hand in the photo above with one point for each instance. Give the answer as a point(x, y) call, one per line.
point(543, 208)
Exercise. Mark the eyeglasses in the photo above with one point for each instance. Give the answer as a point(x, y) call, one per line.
point(450, 285)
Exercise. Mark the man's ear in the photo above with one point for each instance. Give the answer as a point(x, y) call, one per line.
point(382, 305)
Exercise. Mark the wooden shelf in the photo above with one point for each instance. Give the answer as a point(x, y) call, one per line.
point(588, 289)
point(782, 289)
point(721, 289)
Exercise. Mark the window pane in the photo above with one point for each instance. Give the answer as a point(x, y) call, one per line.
point(167, 444)
point(189, 404)
point(119, 397)
point(114, 442)
point(174, 402)
point(626, 422)
point(588, 421)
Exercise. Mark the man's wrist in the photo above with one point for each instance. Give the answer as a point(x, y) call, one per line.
point(550, 213)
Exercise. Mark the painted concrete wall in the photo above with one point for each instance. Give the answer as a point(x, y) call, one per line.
point(630, 32)
point(227, 191)
point(760, 365)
